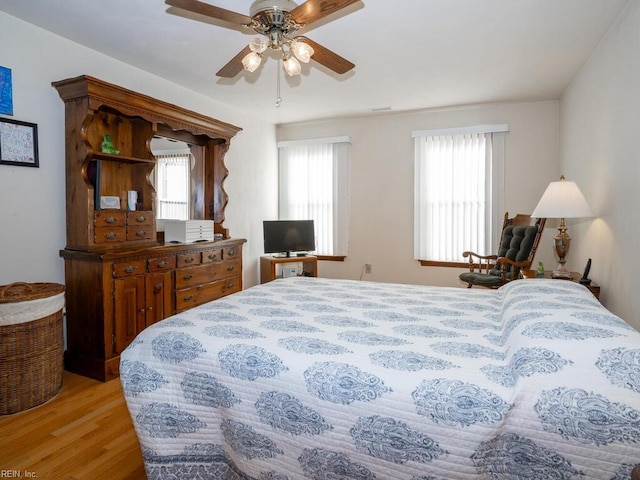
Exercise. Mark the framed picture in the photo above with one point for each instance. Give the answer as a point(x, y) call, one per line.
point(18, 143)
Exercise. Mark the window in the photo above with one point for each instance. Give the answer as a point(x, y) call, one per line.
point(314, 180)
point(459, 186)
point(172, 185)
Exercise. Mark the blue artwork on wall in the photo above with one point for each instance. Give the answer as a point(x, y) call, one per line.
point(6, 94)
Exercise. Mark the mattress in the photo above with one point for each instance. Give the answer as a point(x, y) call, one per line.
point(337, 379)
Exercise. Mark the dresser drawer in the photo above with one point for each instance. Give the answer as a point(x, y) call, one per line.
point(189, 259)
point(106, 218)
point(142, 232)
point(140, 218)
point(188, 277)
point(212, 255)
point(230, 268)
point(231, 252)
point(191, 297)
point(159, 264)
point(126, 269)
point(110, 234)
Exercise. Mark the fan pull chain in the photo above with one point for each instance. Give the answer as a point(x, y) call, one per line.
point(278, 97)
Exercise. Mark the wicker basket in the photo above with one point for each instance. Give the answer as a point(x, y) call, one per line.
point(31, 344)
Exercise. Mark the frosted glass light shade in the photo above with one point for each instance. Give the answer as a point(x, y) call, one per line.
point(303, 51)
point(562, 199)
point(292, 66)
point(251, 61)
point(259, 44)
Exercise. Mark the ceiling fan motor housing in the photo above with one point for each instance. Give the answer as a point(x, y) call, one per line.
point(273, 7)
point(272, 19)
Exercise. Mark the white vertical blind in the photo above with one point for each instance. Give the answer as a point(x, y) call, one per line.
point(458, 191)
point(314, 186)
point(172, 185)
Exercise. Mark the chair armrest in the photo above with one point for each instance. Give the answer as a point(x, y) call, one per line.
point(504, 261)
point(483, 263)
point(477, 255)
point(507, 261)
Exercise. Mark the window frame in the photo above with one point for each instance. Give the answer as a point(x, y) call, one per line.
point(495, 140)
point(340, 186)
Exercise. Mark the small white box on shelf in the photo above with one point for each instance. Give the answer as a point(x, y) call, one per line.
point(188, 231)
point(289, 271)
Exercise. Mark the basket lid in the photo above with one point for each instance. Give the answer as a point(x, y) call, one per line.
point(22, 291)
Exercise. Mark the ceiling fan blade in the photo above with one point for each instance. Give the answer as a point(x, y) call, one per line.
point(329, 59)
point(234, 67)
point(209, 10)
point(313, 10)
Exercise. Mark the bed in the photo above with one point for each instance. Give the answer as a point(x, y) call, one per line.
point(336, 379)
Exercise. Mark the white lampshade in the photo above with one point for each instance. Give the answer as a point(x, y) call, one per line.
point(562, 199)
point(303, 51)
point(292, 66)
point(251, 61)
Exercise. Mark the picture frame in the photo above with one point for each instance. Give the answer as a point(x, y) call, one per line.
point(18, 143)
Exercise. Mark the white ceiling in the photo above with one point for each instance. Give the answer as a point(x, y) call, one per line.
point(409, 54)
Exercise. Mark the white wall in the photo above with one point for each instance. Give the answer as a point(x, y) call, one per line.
point(32, 200)
point(381, 182)
point(600, 122)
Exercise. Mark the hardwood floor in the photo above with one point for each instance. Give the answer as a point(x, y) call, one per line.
point(84, 433)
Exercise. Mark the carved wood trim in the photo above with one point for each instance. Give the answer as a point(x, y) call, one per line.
point(101, 93)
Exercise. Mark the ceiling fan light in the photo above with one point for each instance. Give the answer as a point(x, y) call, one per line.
point(292, 66)
point(251, 61)
point(259, 44)
point(303, 51)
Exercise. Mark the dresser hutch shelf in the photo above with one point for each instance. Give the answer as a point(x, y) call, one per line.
point(120, 276)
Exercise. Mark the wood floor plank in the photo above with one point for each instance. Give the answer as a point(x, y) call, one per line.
point(84, 433)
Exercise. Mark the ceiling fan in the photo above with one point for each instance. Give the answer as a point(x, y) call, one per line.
point(276, 22)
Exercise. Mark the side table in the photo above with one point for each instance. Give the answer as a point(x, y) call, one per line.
point(575, 277)
point(268, 266)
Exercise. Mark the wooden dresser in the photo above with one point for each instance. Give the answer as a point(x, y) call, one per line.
point(118, 294)
point(120, 276)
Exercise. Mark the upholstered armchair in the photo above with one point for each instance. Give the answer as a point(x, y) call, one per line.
point(518, 244)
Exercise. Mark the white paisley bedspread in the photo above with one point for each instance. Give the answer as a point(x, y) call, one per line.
point(336, 379)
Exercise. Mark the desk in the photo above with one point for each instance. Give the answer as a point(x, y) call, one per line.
point(575, 277)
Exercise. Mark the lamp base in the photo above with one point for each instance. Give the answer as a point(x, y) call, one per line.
point(563, 274)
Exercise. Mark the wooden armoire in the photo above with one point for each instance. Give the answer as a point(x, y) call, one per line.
point(120, 276)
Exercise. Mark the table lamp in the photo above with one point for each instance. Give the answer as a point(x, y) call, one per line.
point(562, 200)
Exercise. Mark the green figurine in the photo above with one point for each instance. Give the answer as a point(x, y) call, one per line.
point(540, 269)
point(107, 147)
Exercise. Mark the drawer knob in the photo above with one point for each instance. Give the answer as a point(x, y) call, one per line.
point(232, 253)
point(110, 235)
point(188, 298)
point(110, 220)
point(213, 256)
point(188, 276)
point(188, 260)
point(231, 269)
point(162, 264)
point(229, 286)
point(130, 269)
point(141, 234)
point(141, 219)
